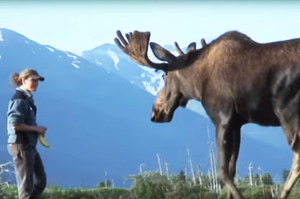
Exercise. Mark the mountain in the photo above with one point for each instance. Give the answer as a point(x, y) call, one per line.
point(99, 123)
point(113, 60)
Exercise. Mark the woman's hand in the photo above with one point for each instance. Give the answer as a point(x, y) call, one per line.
point(41, 130)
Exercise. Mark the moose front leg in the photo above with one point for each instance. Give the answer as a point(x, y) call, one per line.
point(228, 138)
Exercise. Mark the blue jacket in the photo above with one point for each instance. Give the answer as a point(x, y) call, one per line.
point(21, 109)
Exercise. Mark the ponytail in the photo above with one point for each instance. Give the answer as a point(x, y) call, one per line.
point(16, 80)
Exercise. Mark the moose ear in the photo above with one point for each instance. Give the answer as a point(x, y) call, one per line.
point(161, 53)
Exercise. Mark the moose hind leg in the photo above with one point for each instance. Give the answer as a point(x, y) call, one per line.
point(293, 176)
point(234, 153)
point(287, 109)
point(228, 145)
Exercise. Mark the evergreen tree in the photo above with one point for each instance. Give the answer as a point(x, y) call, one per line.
point(267, 179)
point(285, 174)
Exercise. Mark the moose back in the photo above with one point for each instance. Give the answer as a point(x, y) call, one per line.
point(238, 81)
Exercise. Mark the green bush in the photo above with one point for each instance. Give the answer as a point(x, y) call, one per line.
point(152, 185)
point(81, 193)
point(258, 193)
point(55, 192)
point(295, 194)
point(262, 192)
point(8, 192)
point(187, 191)
point(149, 186)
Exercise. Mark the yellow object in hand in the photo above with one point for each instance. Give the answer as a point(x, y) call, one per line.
point(43, 141)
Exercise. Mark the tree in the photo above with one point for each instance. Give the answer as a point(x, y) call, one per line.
point(104, 184)
point(267, 179)
point(285, 174)
point(180, 178)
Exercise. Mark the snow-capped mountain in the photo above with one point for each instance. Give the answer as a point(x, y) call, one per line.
point(100, 123)
point(110, 58)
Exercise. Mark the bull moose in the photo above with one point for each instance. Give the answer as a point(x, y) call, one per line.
point(238, 81)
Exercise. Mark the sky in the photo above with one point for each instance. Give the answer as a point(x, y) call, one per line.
point(76, 26)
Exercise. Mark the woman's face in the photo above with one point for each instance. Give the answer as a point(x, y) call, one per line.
point(30, 84)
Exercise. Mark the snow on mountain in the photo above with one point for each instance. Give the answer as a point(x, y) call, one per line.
point(50, 49)
point(114, 58)
point(152, 80)
point(108, 55)
point(75, 61)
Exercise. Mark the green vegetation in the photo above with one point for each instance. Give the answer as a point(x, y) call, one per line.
point(55, 192)
point(153, 185)
point(156, 185)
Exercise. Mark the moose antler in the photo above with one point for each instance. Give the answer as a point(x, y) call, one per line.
point(136, 47)
point(203, 43)
point(191, 47)
point(178, 49)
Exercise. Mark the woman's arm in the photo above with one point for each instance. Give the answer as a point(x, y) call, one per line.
point(27, 128)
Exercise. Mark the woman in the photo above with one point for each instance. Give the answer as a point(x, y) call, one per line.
point(23, 135)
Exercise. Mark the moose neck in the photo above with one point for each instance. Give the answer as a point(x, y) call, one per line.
point(187, 78)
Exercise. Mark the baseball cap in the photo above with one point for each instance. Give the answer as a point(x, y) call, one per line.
point(31, 73)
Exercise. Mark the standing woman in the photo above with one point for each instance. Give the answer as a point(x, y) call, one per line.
point(23, 133)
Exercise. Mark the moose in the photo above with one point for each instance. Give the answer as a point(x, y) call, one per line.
point(238, 81)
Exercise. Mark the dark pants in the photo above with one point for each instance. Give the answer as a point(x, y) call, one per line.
point(30, 173)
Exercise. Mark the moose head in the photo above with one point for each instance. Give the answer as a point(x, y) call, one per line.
point(171, 96)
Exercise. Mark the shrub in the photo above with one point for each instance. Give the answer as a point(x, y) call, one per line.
point(150, 185)
point(8, 191)
point(55, 192)
point(258, 193)
point(81, 193)
point(187, 191)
